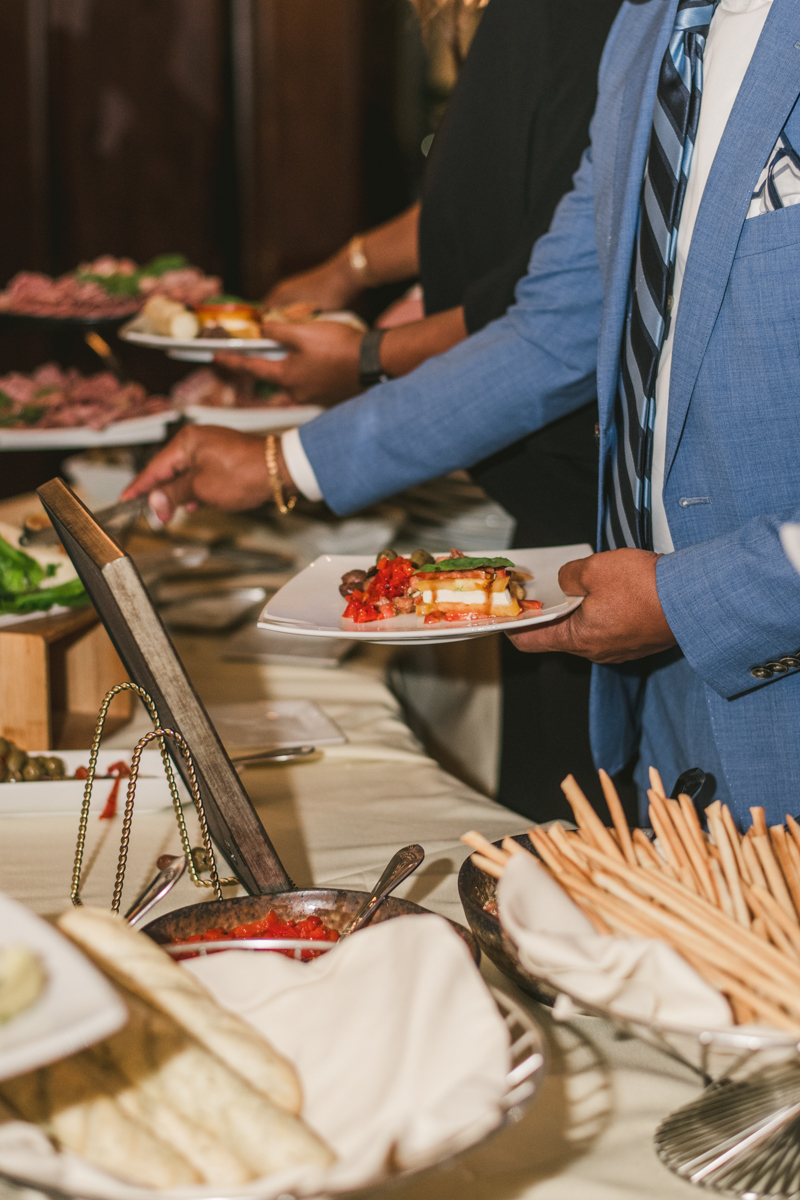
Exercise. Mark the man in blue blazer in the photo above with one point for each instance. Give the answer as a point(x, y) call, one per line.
point(692, 612)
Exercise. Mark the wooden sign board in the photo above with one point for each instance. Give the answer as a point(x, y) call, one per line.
point(125, 608)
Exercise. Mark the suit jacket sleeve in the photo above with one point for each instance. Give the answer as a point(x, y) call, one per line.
point(733, 602)
point(533, 365)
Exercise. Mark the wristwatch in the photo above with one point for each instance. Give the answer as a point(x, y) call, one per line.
point(370, 370)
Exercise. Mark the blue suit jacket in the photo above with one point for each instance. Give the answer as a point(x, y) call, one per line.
point(728, 592)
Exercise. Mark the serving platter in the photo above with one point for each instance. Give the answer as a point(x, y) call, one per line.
point(251, 419)
point(310, 605)
point(198, 349)
point(133, 432)
point(53, 797)
point(76, 1008)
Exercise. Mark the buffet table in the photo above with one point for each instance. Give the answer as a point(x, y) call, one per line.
point(335, 822)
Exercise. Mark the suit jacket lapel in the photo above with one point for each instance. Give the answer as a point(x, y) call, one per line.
point(768, 93)
point(625, 158)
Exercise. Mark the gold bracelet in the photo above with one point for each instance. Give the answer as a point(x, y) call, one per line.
point(359, 263)
point(275, 482)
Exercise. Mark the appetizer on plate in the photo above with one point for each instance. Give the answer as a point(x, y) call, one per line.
point(210, 388)
point(455, 587)
point(52, 398)
point(107, 287)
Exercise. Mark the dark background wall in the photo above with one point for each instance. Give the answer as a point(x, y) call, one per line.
point(255, 136)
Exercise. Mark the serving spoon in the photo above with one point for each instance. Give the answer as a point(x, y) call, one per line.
point(172, 867)
point(400, 866)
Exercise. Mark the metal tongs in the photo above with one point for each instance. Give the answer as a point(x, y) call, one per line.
point(117, 519)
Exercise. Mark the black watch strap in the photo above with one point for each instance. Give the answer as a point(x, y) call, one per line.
point(370, 370)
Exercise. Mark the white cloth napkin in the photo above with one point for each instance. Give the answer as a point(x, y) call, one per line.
point(398, 1043)
point(635, 977)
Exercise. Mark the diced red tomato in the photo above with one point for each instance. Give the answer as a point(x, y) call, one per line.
point(271, 926)
point(389, 582)
point(531, 605)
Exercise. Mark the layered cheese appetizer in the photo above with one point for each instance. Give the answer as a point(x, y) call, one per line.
point(455, 587)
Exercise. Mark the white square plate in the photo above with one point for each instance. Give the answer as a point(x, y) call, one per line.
point(310, 605)
point(77, 1008)
point(49, 797)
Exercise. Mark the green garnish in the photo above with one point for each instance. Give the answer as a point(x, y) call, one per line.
point(119, 284)
point(5, 400)
point(70, 594)
point(163, 263)
point(466, 564)
point(226, 300)
point(20, 577)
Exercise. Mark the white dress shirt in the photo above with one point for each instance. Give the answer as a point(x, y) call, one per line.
point(735, 29)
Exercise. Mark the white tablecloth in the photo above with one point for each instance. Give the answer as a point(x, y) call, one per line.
point(337, 821)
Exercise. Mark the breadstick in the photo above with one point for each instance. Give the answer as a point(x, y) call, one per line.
point(511, 847)
point(735, 839)
point(567, 848)
point(759, 824)
point(549, 854)
point(488, 865)
point(776, 933)
point(717, 827)
point(720, 886)
point(641, 840)
point(794, 830)
point(770, 909)
point(587, 819)
point(656, 784)
point(753, 865)
point(478, 842)
point(780, 847)
point(617, 816)
point(693, 822)
point(775, 880)
point(698, 860)
point(668, 839)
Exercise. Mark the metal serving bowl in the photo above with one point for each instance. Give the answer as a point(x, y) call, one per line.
point(476, 889)
point(334, 906)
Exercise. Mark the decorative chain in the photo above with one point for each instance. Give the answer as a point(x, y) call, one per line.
point(214, 881)
point(128, 817)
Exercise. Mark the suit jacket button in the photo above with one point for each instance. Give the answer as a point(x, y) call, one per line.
point(778, 668)
point(761, 672)
point(791, 661)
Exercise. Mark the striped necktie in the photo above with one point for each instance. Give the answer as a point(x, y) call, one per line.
point(669, 159)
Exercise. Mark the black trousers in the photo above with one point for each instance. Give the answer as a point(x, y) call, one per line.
point(548, 482)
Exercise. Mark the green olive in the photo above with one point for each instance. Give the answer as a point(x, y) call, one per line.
point(31, 771)
point(421, 558)
point(386, 554)
point(5, 746)
point(54, 767)
point(3, 771)
point(14, 776)
point(16, 759)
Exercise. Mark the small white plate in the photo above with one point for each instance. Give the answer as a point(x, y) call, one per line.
point(133, 432)
point(77, 1008)
point(50, 797)
point(248, 420)
point(309, 605)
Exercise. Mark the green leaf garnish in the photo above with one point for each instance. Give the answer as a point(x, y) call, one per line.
point(467, 564)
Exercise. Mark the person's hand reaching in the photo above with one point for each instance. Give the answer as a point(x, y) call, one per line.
point(330, 286)
point(321, 364)
point(210, 465)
